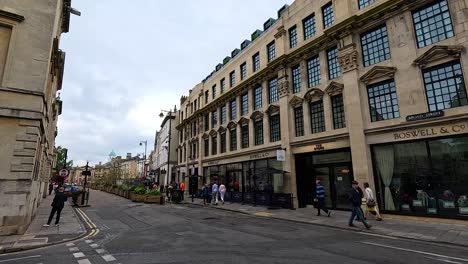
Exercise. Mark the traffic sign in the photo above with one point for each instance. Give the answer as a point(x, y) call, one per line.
point(64, 173)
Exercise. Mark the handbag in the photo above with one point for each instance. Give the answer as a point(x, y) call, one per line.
point(371, 203)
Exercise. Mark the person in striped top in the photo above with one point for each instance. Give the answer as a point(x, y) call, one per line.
point(320, 198)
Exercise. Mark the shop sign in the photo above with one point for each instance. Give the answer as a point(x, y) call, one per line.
point(281, 155)
point(214, 162)
point(423, 116)
point(319, 147)
point(260, 155)
point(433, 131)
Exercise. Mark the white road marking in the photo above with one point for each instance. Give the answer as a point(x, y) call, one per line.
point(88, 241)
point(13, 259)
point(108, 258)
point(94, 245)
point(377, 235)
point(415, 251)
point(73, 249)
point(84, 261)
point(70, 244)
point(78, 255)
point(100, 251)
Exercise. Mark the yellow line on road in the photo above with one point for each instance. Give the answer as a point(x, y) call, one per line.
point(265, 214)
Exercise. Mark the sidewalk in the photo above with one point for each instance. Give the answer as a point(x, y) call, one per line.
point(421, 228)
point(37, 236)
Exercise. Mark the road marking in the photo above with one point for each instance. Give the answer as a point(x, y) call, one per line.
point(377, 235)
point(73, 249)
point(94, 245)
point(92, 225)
point(88, 241)
point(13, 259)
point(108, 258)
point(100, 251)
point(415, 251)
point(70, 244)
point(446, 260)
point(84, 261)
point(264, 214)
point(78, 255)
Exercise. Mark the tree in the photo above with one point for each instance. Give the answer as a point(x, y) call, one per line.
point(62, 157)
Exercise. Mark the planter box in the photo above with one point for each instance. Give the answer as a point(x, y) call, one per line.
point(152, 198)
point(125, 194)
point(131, 196)
point(121, 192)
point(139, 198)
point(162, 200)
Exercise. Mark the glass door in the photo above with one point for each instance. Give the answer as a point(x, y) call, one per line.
point(323, 173)
point(342, 183)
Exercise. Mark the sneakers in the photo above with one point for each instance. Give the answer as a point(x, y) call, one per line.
point(368, 226)
point(351, 225)
point(57, 224)
point(379, 219)
point(46, 225)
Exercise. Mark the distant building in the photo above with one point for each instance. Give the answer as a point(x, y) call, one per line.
point(165, 155)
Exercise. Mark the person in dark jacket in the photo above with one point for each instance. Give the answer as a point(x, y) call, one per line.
point(320, 198)
point(51, 188)
point(355, 200)
point(57, 206)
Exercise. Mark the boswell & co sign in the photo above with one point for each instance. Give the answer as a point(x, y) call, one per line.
point(432, 131)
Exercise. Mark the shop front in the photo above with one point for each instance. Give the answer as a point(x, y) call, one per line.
point(333, 168)
point(428, 176)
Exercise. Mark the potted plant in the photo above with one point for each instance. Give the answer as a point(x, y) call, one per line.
point(153, 196)
point(139, 194)
point(131, 193)
point(77, 196)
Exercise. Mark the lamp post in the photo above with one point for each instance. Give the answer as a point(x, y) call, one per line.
point(161, 115)
point(144, 157)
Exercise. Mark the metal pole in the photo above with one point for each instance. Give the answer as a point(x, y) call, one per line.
point(84, 186)
point(169, 146)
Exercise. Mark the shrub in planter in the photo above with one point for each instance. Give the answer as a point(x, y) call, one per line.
point(153, 196)
point(140, 192)
point(76, 196)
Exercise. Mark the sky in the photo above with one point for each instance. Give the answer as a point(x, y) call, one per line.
point(126, 60)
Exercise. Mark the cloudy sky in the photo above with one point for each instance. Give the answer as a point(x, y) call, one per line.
point(128, 59)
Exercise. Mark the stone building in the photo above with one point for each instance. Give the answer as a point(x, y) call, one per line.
point(76, 177)
point(31, 73)
point(164, 157)
point(371, 90)
point(128, 167)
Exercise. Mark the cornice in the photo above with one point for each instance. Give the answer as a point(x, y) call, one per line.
point(11, 16)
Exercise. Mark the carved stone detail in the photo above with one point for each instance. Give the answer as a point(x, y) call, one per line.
point(314, 94)
point(256, 115)
point(213, 132)
point(438, 52)
point(232, 125)
point(206, 136)
point(334, 88)
point(348, 58)
point(243, 121)
point(296, 101)
point(281, 32)
point(221, 129)
point(272, 109)
point(378, 72)
point(283, 87)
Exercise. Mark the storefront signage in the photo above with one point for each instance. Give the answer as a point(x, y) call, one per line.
point(423, 116)
point(434, 131)
point(260, 155)
point(281, 155)
point(319, 147)
point(214, 162)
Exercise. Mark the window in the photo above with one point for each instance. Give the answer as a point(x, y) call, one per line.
point(223, 114)
point(206, 96)
point(383, 101)
point(293, 37)
point(213, 91)
point(273, 91)
point(223, 142)
point(364, 3)
point(317, 120)
point(256, 62)
point(214, 119)
point(309, 26)
point(333, 66)
point(245, 136)
point(275, 128)
point(243, 69)
point(299, 121)
point(271, 51)
point(207, 147)
point(244, 104)
point(258, 128)
point(296, 78)
point(258, 98)
point(195, 104)
point(328, 17)
point(222, 84)
point(313, 71)
point(432, 23)
point(375, 46)
point(339, 120)
point(233, 139)
point(214, 145)
point(445, 86)
point(233, 107)
point(232, 78)
point(207, 122)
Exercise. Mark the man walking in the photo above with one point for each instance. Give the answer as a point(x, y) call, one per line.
point(182, 189)
point(51, 187)
point(57, 206)
point(355, 199)
point(320, 198)
point(214, 192)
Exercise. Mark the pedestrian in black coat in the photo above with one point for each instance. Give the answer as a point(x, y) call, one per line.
point(57, 206)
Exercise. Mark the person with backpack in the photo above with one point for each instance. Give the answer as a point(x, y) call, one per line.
point(57, 205)
point(371, 203)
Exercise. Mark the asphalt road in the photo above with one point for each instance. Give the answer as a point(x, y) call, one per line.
point(139, 233)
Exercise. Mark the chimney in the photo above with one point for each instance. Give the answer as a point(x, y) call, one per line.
point(129, 155)
point(100, 163)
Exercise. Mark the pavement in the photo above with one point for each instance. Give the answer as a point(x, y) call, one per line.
point(420, 228)
point(69, 228)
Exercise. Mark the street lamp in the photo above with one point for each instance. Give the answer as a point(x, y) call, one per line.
point(144, 157)
point(161, 115)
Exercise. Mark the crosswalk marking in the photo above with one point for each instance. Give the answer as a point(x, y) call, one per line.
point(100, 251)
point(94, 245)
point(73, 249)
point(88, 241)
point(70, 244)
point(78, 255)
point(84, 261)
point(108, 258)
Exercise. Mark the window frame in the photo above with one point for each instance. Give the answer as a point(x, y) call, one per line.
point(396, 114)
point(296, 78)
point(256, 62)
point(243, 69)
point(232, 79)
point(245, 136)
point(333, 61)
point(317, 120)
point(258, 98)
point(258, 132)
point(372, 45)
point(244, 104)
point(214, 145)
point(305, 28)
point(273, 95)
point(316, 78)
point(271, 51)
point(233, 106)
point(233, 139)
point(338, 111)
point(324, 17)
point(299, 121)
point(293, 39)
point(275, 128)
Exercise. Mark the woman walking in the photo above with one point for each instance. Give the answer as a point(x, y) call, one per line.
point(205, 193)
point(222, 191)
point(371, 203)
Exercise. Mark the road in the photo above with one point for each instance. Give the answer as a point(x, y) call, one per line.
point(140, 233)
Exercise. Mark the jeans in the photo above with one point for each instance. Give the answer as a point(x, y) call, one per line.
point(214, 199)
point(51, 216)
point(222, 195)
point(356, 211)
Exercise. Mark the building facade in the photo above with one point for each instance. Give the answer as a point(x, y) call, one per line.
point(78, 178)
point(31, 73)
point(129, 167)
point(371, 90)
point(164, 156)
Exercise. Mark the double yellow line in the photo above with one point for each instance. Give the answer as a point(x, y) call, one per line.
point(91, 225)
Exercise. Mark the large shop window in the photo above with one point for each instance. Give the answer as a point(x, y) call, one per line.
point(383, 102)
point(424, 177)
